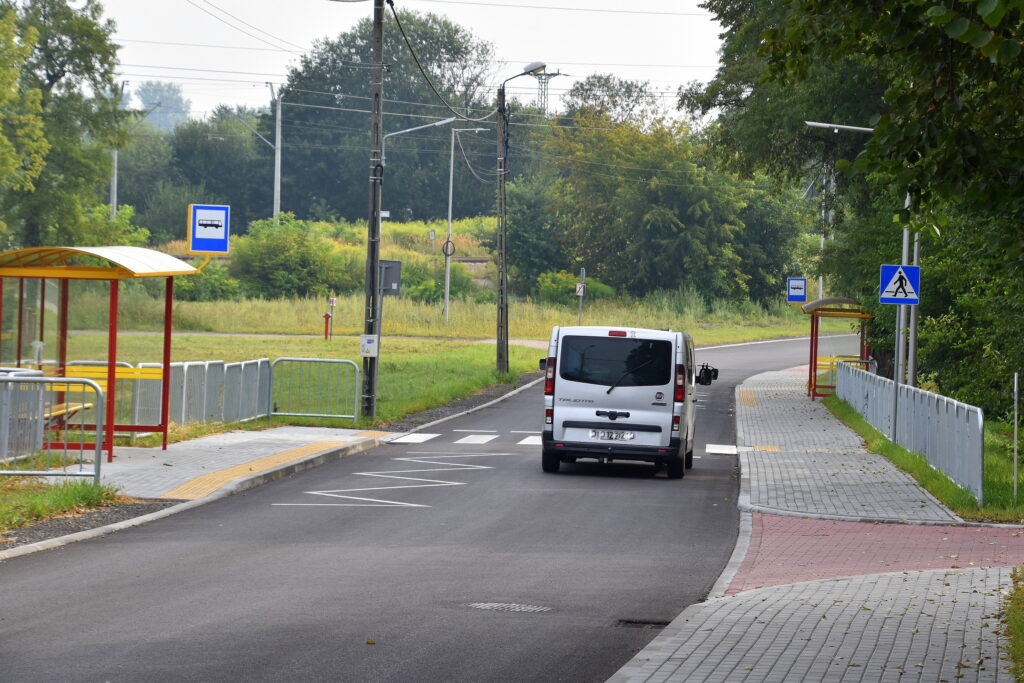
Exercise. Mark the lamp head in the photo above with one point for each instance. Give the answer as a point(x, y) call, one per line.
point(534, 67)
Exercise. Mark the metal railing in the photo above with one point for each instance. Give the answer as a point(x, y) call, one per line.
point(46, 424)
point(949, 434)
point(315, 387)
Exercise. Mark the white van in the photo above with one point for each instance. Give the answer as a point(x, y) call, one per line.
point(621, 393)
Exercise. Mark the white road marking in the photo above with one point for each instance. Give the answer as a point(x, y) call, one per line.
point(531, 441)
point(526, 431)
point(478, 438)
point(437, 459)
point(716, 449)
point(414, 438)
point(474, 431)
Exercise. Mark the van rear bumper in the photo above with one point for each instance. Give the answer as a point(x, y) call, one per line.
point(616, 451)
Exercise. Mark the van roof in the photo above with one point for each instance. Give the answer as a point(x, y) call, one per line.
point(603, 330)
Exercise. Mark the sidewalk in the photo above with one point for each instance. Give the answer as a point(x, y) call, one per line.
point(845, 569)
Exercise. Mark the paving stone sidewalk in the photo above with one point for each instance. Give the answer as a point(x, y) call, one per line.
point(803, 474)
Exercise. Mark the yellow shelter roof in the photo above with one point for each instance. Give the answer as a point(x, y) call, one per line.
point(59, 262)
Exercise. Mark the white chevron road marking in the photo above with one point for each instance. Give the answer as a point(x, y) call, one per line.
point(441, 460)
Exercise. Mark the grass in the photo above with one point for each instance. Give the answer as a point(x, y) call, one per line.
point(1013, 611)
point(713, 323)
point(24, 500)
point(999, 505)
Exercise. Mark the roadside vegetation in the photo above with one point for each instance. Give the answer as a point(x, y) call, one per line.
point(24, 500)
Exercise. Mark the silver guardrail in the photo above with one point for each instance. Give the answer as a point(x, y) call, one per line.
point(314, 387)
point(949, 434)
point(46, 422)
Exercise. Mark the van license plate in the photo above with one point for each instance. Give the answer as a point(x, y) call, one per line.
point(610, 435)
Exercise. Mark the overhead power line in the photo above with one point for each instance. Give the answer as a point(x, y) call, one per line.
point(595, 10)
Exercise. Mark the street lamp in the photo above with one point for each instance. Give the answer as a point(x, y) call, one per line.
point(448, 249)
point(442, 122)
point(902, 354)
point(502, 340)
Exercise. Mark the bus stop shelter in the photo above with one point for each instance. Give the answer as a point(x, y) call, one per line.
point(833, 308)
point(111, 264)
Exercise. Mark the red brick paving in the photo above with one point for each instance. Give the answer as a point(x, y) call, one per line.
point(791, 549)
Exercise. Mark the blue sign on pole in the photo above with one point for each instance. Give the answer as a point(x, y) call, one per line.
point(899, 285)
point(209, 227)
point(796, 290)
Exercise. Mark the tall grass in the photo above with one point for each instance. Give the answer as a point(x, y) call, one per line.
point(709, 322)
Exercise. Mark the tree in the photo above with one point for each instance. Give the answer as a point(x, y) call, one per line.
point(72, 65)
point(634, 195)
point(23, 145)
point(325, 126)
point(617, 99)
point(165, 103)
point(223, 156)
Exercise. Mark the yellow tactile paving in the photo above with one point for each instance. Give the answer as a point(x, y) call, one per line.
point(769, 449)
point(748, 397)
point(208, 483)
point(371, 434)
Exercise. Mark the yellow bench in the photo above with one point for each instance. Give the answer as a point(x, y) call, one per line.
point(57, 417)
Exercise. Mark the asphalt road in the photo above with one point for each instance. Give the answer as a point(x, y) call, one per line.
point(429, 561)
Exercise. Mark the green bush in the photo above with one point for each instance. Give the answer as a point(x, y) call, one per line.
point(288, 258)
point(212, 283)
point(560, 288)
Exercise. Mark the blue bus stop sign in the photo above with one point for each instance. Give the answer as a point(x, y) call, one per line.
point(209, 227)
point(796, 290)
point(899, 285)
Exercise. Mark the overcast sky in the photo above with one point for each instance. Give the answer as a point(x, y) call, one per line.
point(224, 51)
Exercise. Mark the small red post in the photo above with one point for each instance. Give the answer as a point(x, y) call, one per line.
point(327, 325)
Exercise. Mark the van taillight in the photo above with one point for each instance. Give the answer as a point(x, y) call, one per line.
point(549, 377)
point(675, 423)
point(549, 416)
point(617, 333)
point(680, 383)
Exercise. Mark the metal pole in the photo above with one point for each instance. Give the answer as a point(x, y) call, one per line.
point(448, 239)
point(1016, 395)
point(912, 345)
point(502, 331)
point(899, 357)
point(277, 156)
point(583, 281)
point(113, 183)
point(371, 324)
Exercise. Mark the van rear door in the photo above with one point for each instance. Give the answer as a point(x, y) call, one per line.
point(614, 388)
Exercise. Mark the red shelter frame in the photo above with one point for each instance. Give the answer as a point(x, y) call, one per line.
point(78, 263)
point(834, 308)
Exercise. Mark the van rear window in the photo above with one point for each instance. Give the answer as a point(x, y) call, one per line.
point(616, 360)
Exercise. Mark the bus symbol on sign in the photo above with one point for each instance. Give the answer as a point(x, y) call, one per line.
point(796, 290)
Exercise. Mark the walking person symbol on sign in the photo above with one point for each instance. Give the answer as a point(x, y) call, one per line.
point(899, 285)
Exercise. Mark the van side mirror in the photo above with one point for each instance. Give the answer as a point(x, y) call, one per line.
point(543, 363)
point(707, 375)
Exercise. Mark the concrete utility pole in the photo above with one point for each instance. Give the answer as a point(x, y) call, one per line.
point(371, 326)
point(277, 151)
point(502, 332)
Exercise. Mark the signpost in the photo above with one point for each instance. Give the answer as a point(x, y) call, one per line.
point(581, 291)
point(796, 290)
point(901, 285)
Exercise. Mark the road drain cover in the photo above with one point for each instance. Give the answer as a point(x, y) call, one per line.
point(508, 607)
point(638, 623)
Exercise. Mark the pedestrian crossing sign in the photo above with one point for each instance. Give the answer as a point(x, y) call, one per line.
point(899, 285)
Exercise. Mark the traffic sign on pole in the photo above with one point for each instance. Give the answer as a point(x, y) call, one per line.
point(796, 290)
point(209, 228)
point(899, 285)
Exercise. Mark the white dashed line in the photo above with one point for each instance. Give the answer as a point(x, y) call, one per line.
point(477, 438)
